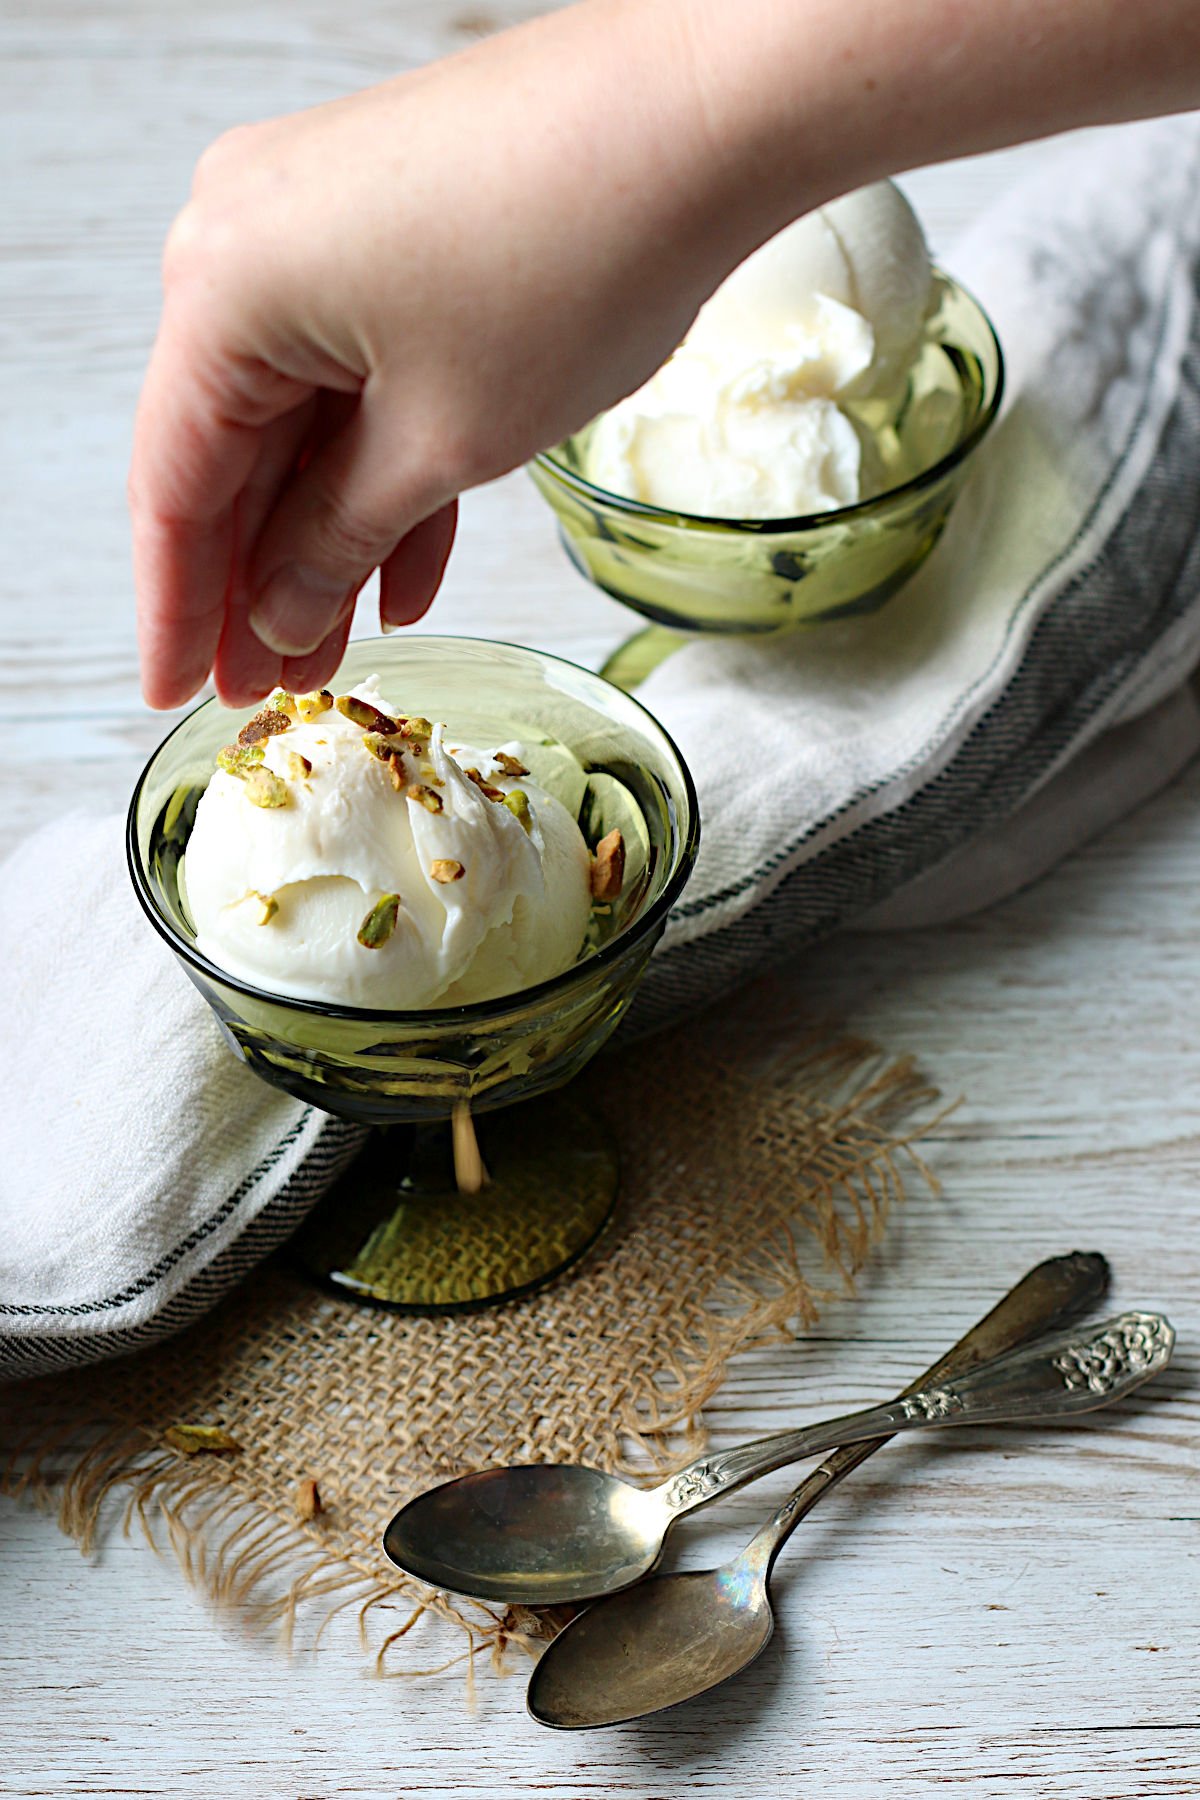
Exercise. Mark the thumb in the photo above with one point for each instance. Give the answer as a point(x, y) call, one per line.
point(336, 521)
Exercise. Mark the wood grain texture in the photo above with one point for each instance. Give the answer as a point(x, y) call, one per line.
point(991, 1613)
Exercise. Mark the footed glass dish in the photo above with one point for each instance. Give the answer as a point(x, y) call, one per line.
point(690, 573)
point(551, 1172)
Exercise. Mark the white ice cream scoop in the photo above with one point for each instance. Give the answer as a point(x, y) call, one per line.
point(747, 419)
point(426, 875)
point(864, 255)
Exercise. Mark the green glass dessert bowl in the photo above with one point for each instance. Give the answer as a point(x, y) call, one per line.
point(690, 573)
point(399, 1229)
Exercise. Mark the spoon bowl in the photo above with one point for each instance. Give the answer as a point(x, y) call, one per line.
point(543, 1534)
point(654, 1646)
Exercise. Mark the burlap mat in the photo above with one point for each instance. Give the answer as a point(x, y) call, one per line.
point(757, 1172)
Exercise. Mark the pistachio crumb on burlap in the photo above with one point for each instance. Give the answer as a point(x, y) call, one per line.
point(193, 1440)
point(307, 1500)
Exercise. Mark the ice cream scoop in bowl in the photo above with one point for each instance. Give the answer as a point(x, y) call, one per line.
point(399, 1229)
point(797, 459)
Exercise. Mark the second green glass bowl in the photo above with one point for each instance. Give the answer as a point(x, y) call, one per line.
point(768, 575)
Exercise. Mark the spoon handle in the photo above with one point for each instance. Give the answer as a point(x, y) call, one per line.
point(1053, 1293)
point(1047, 1298)
point(1040, 1383)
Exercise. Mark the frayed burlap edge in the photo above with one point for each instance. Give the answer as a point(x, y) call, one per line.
point(256, 1557)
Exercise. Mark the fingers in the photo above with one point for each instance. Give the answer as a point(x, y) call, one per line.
point(259, 509)
point(412, 574)
point(301, 674)
point(196, 443)
point(244, 668)
point(181, 578)
point(337, 521)
point(409, 579)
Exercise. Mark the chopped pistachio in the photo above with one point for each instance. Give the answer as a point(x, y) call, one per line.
point(380, 745)
point(283, 702)
point(517, 801)
point(416, 728)
point(396, 771)
point(264, 788)
point(264, 724)
point(445, 869)
point(426, 797)
point(361, 712)
point(298, 767)
point(380, 922)
point(193, 1438)
point(266, 904)
point(608, 866)
point(308, 1500)
point(486, 789)
point(311, 706)
point(509, 764)
point(239, 759)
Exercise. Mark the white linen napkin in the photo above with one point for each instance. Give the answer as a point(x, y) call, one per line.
point(143, 1170)
point(1026, 687)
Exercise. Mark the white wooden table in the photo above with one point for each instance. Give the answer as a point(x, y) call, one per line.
point(987, 1614)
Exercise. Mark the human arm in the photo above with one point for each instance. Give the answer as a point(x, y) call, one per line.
point(376, 304)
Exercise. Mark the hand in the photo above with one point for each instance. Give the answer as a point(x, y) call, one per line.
point(374, 305)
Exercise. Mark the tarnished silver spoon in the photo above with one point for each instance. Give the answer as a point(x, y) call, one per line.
point(550, 1533)
point(675, 1636)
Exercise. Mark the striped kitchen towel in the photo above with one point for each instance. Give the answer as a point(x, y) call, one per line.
point(143, 1169)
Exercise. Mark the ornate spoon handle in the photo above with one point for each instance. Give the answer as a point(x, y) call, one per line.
point(1053, 1293)
point(1040, 1383)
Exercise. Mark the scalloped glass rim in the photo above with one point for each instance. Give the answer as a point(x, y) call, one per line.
point(478, 1011)
point(641, 509)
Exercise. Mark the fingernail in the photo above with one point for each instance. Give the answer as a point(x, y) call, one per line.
point(297, 609)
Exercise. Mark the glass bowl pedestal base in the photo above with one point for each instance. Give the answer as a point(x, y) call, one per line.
point(396, 1229)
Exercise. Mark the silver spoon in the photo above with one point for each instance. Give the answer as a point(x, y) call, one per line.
point(551, 1533)
point(676, 1636)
